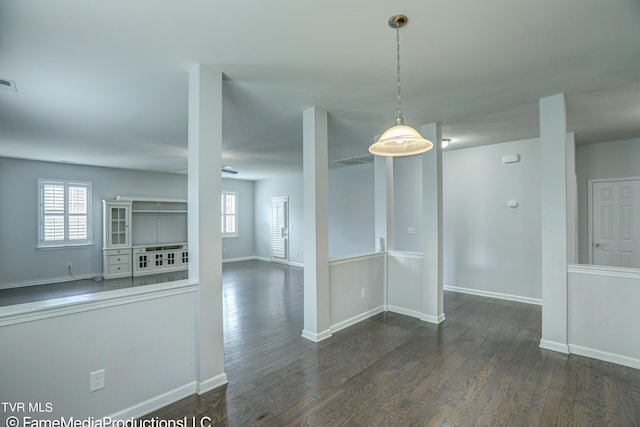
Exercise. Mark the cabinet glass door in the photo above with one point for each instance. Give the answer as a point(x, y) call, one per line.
point(118, 226)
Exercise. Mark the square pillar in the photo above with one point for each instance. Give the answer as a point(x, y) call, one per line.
point(317, 315)
point(432, 286)
point(553, 193)
point(205, 242)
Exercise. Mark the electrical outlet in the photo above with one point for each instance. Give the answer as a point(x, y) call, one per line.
point(297, 253)
point(96, 380)
point(69, 265)
point(363, 293)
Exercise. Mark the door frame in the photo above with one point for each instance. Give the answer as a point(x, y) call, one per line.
point(590, 206)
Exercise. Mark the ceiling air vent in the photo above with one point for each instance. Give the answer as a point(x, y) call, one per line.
point(8, 85)
point(356, 160)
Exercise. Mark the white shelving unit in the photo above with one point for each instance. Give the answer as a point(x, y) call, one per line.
point(144, 236)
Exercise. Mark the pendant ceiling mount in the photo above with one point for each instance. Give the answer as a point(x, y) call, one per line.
point(398, 21)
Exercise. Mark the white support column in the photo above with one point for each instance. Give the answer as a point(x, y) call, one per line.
point(553, 193)
point(317, 318)
point(383, 193)
point(205, 248)
point(432, 287)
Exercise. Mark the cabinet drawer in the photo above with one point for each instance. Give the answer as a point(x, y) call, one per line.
point(117, 251)
point(118, 259)
point(119, 268)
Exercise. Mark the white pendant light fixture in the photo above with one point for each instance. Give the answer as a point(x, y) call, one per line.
point(400, 140)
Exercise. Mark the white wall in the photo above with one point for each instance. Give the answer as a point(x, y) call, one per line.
point(20, 260)
point(407, 198)
point(603, 313)
point(614, 159)
point(351, 210)
point(285, 185)
point(144, 339)
point(242, 246)
point(489, 246)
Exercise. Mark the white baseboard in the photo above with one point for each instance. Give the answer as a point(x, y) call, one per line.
point(211, 383)
point(404, 311)
point(417, 314)
point(554, 346)
point(355, 319)
point(47, 281)
point(243, 258)
point(605, 356)
point(312, 336)
point(489, 294)
point(261, 258)
point(296, 264)
point(432, 319)
point(154, 403)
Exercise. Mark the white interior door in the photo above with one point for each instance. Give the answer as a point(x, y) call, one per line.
point(616, 223)
point(279, 229)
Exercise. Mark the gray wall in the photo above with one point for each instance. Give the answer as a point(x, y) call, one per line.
point(20, 260)
point(242, 246)
point(615, 159)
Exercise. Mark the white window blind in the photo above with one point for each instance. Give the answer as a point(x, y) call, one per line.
point(229, 216)
point(64, 216)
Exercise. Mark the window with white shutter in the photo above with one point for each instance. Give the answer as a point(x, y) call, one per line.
point(65, 213)
point(229, 214)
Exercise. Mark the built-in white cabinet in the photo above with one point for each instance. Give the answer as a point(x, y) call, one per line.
point(116, 237)
point(117, 221)
point(144, 236)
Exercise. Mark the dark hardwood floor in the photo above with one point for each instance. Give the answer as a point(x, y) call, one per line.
point(48, 291)
point(482, 366)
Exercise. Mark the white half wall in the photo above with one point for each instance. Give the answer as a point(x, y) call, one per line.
point(357, 286)
point(144, 339)
point(404, 283)
point(603, 313)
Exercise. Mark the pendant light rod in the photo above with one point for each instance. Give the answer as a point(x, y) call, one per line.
point(399, 140)
point(397, 22)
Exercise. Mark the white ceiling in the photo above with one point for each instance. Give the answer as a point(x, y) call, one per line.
point(105, 82)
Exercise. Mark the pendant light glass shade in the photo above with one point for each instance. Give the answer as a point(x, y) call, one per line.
point(400, 140)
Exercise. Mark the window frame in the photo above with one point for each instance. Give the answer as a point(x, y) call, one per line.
point(224, 214)
point(66, 241)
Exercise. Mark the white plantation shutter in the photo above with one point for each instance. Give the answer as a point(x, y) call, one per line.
point(64, 213)
point(279, 227)
point(229, 203)
point(77, 212)
point(53, 205)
